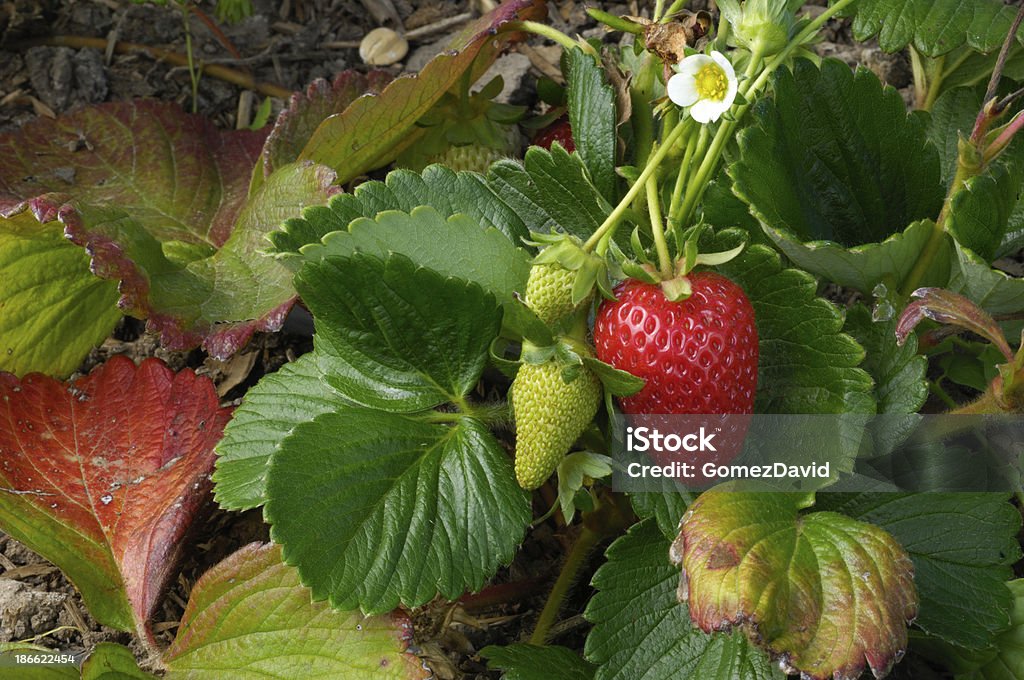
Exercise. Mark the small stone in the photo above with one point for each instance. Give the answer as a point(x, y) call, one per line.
point(383, 47)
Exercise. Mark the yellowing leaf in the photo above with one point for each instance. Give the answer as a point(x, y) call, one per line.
point(826, 594)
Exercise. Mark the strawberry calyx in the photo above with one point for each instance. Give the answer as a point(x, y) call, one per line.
point(676, 285)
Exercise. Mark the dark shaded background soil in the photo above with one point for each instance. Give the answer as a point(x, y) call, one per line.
point(289, 44)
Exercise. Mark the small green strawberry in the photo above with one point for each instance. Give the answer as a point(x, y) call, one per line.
point(549, 292)
point(469, 157)
point(550, 415)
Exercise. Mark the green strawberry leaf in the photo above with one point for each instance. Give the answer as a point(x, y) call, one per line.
point(249, 617)
point(533, 662)
point(933, 27)
point(975, 69)
point(269, 412)
point(993, 290)
point(1013, 241)
point(980, 211)
point(667, 506)
point(306, 111)
point(452, 245)
point(437, 186)
point(829, 595)
point(373, 130)
point(722, 209)
point(410, 504)
point(395, 336)
point(806, 364)
point(109, 661)
point(963, 546)
point(158, 198)
point(642, 631)
point(550, 191)
point(54, 309)
point(379, 509)
point(104, 476)
point(899, 372)
point(833, 161)
point(593, 117)
point(952, 117)
point(865, 266)
point(1008, 663)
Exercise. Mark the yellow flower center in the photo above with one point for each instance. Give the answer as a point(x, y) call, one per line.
point(712, 83)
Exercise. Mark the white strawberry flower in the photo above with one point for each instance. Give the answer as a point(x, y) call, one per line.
point(705, 84)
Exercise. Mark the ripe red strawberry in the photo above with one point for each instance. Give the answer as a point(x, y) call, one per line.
point(698, 356)
point(560, 131)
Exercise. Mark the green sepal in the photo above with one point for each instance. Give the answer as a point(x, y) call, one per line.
point(586, 277)
point(639, 252)
point(492, 89)
point(630, 173)
point(519, 316)
point(496, 352)
point(537, 354)
point(617, 382)
point(571, 357)
point(635, 270)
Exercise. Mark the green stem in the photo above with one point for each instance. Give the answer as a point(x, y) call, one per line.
point(684, 171)
point(549, 32)
point(613, 218)
point(642, 116)
point(570, 570)
point(193, 74)
point(659, 7)
point(657, 228)
point(615, 23)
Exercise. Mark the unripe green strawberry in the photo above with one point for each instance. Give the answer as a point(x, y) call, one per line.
point(550, 415)
point(549, 292)
point(472, 157)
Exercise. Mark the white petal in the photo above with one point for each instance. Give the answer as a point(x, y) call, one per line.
point(692, 64)
point(726, 65)
point(682, 89)
point(730, 94)
point(707, 111)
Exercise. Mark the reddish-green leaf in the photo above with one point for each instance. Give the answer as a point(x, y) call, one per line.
point(825, 593)
point(158, 199)
point(250, 618)
point(371, 132)
point(183, 178)
point(104, 475)
point(306, 111)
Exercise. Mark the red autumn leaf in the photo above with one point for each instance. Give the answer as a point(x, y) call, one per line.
point(103, 476)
